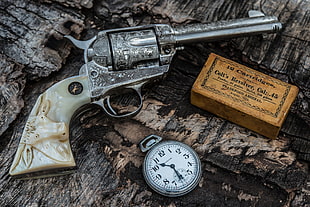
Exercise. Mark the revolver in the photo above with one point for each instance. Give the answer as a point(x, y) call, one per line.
point(116, 60)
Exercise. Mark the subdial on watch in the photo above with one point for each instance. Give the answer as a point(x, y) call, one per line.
point(181, 176)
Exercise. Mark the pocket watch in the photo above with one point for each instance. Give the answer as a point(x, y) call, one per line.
point(170, 168)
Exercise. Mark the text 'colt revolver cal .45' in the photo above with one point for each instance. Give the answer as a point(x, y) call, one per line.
point(115, 60)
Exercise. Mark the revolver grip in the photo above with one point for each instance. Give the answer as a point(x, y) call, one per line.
point(44, 144)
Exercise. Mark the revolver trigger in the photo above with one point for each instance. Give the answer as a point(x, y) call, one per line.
point(116, 112)
point(106, 106)
point(80, 44)
point(110, 111)
point(255, 13)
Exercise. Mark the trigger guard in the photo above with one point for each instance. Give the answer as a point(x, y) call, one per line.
point(112, 113)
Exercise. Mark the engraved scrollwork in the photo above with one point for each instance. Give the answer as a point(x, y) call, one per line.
point(96, 75)
point(165, 34)
point(133, 48)
point(167, 42)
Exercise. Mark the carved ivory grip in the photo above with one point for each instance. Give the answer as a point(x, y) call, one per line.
point(44, 144)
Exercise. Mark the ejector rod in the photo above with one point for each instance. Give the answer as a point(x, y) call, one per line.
point(256, 24)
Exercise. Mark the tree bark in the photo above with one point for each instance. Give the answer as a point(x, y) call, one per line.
point(240, 167)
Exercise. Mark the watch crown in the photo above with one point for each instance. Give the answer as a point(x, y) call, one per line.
point(149, 141)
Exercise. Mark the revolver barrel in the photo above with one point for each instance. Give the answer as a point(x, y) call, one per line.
point(256, 23)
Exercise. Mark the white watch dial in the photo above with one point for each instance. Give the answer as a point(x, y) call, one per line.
point(172, 168)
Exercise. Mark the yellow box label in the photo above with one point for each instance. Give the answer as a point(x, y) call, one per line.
point(247, 87)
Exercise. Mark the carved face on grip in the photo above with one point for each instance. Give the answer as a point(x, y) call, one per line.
point(40, 127)
point(44, 143)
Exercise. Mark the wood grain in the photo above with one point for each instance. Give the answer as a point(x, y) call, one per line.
point(240, 167)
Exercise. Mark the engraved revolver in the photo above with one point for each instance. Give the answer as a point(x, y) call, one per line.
point(115, 60)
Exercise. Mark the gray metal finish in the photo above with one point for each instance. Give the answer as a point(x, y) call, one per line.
point(130, 57)
point(226, 29)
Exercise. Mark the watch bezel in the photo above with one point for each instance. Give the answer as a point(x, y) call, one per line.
point(163, 191)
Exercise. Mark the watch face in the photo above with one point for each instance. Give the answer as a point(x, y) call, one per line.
point(172, 168)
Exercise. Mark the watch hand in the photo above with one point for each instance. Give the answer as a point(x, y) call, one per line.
point(177, 172)
point(168, 160)
point(164, 163)
point(173, 167)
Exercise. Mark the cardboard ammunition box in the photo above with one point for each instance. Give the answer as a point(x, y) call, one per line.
point(243, 96)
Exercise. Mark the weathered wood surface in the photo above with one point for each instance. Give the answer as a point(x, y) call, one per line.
point(240, 168)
